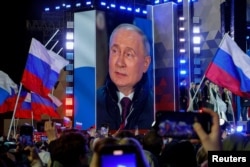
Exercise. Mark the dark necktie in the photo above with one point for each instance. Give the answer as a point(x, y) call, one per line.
point(125, 103)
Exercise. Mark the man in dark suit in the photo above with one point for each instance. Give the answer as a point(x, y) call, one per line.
point(245, 103)
point(129, 60)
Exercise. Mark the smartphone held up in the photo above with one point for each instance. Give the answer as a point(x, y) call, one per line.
point(26, 135)
point(180, 124)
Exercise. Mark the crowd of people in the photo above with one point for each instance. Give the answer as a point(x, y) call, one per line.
point(80, 148)
point(219, 99)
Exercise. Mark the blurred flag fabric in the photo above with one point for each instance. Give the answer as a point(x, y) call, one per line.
point(24, 110)
point(42, 69)
point(34, 106)
point(41, 105)
point(230, 68)
point(7, 87)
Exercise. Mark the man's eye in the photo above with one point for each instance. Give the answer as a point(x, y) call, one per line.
point(114, 51)
point(129, 54)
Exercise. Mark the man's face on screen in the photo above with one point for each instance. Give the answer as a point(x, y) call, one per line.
point(127, 59)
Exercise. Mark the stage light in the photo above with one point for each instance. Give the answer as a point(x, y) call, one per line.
point(103, 3)
point(69, 112)
point(144, 12)
point(182, 61)
point(69, 101)
point(122, 7)
point(69, 35)
point(78, 4)
point(196, 50)
point(112, 5)
point(182, 50)
point(46, 9)
point(182, 29)
point(181, 18)
point(69, 45)
point(183, 72)
point(69, 56)
point(88, 3)
point(68, 6)
point(196, 29)
point(57, 7)
point(239, 128)
point(69, 90)
point(70, 67)
point(137, 10)
point(196, 40)
point(129, 9)
point(157, 1)
point(182, 40)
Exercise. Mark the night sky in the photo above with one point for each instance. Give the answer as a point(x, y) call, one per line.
point(15, 36)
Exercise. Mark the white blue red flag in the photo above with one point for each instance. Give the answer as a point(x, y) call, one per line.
point(42, 69)
point(230, 68)
point(24, 109)
point(41, 105)
point(7, 87)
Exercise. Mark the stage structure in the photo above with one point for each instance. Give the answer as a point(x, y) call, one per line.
point(164, 25)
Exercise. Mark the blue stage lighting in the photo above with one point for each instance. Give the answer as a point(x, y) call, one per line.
point(103, 3)
point(144, 12)
point(112, 5)
point(182, 61)
point(239, 128)
point(78, 4)
point(88, 3)
point(157, 1)
point(183, 72)
point(68, 6)
point(137, 10)
point(46, 9)
point(129, 9)
point(122, 7)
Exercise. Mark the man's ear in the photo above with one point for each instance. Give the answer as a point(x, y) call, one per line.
point(147, 61)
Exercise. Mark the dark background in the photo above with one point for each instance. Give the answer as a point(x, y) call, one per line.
point(15, 36)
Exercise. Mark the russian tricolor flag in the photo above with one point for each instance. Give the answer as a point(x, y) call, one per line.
point(42, 106)
point(24, 108)
point(7, 87)
point(230, 68)
point(42, 69)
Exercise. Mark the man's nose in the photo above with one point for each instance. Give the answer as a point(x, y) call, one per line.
point(120, 60)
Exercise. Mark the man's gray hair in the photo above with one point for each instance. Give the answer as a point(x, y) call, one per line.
point(136, 29)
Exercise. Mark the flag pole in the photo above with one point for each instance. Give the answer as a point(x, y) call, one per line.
point(15, 125)
point(231, 106)
point(190, 107)
point(52, 37)
point(59, 51)
point(54, 45)
point(14, 113)
point(32, 118)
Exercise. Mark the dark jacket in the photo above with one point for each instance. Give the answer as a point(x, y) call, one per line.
point(245, 102)
point(142, 114)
